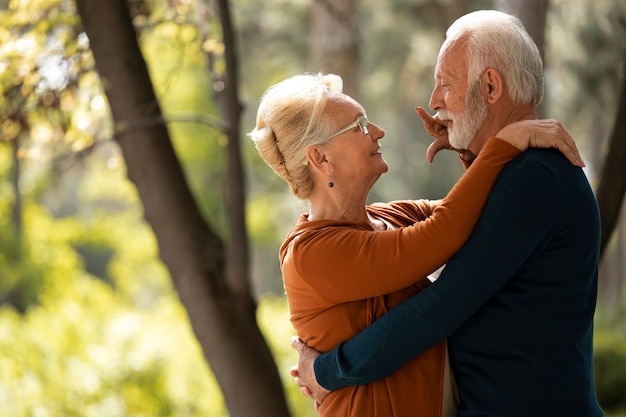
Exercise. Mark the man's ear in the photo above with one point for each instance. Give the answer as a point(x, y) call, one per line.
point(493, 85)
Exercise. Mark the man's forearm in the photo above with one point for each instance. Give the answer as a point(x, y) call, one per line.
point(403, 333)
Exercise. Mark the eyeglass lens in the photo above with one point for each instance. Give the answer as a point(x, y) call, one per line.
point(362, 122)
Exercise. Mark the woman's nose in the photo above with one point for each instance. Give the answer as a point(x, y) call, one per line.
point(376, 132)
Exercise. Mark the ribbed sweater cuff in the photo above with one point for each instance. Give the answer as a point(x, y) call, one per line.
point(326, 371)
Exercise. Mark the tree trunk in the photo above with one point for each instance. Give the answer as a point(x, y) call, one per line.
point(334, 46)
point(228, 100)
point(222, 315)
point(612, 187)
point(17, 215)
point(533, 14)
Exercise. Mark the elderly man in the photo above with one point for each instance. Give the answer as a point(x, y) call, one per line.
point(516, 303)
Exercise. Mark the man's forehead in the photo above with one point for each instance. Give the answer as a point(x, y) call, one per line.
point(452, 58)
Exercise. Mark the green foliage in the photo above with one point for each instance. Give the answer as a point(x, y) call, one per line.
point(29, 262)
point(274, 322)
point(87, 353)
point(174, 47)
point(610, 369)
point(21, 279)
point(90, 347)
point(102, 332)
point(42, 64)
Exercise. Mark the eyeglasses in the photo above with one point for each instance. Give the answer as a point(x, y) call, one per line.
point(361, 122)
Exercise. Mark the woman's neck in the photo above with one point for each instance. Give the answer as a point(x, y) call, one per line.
point(330, 210)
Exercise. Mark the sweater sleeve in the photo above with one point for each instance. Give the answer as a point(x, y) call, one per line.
point(471, 277)
point(345, 264)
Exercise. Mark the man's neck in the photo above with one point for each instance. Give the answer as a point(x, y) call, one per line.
point(497, 118)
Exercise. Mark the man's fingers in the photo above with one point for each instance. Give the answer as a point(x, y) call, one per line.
point(433, 148)
point(423, 114)
point(435, 128)
point(429, 125)
point(427, 120)
point(297, 343)
point(303, 373)
point(304, 351)
point(303, 388)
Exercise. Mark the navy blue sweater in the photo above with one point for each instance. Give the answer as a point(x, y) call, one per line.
point(516, 303)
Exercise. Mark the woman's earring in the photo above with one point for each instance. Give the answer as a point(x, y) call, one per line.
point(331, 184)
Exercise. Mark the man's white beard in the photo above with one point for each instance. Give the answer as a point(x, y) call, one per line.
point(466, 124)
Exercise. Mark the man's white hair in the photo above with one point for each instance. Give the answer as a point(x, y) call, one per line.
point(500, 41)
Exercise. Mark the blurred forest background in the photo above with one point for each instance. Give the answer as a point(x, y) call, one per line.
point(134, 281)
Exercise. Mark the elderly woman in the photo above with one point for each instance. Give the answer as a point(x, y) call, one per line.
point(346, 263)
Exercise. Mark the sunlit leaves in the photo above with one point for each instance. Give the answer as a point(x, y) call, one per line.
point(42, 59)
point(86, 354)
point(272, 317)
point(10, 129)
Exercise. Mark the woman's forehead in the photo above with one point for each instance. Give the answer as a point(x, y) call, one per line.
point(344, 103)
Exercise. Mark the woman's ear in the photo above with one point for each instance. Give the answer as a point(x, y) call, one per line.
point(493, 85)
point(316, 156)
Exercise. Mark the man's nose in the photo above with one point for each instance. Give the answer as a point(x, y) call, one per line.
point(436, 98)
